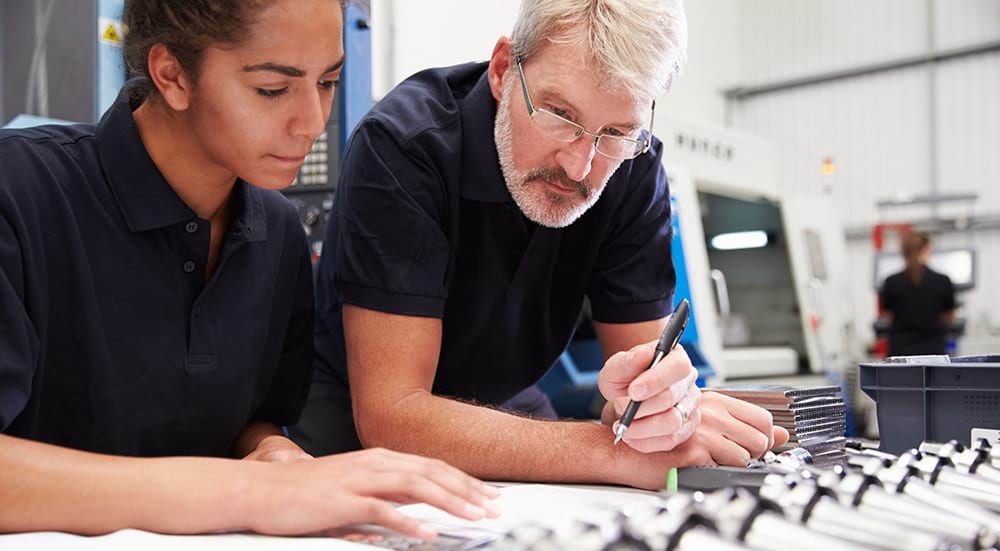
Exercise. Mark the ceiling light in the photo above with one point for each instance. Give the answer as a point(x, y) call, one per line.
point(739, 240)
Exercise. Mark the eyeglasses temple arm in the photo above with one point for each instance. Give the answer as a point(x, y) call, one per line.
point(652, 119)
point(524, 87)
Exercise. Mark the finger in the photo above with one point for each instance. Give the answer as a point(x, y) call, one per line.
point(779, 437)
point(751, 414)
point(451, 479)
point(663, 443)
point(375, 511)
point(756, 443)
point(663, 401)
point(671, 374)
point(402, 487)
point(726, 452)
point(657, 426)
point(666, 422)
point(622, 368)
point(656, 404)
point(660, 402)
point(621, 403)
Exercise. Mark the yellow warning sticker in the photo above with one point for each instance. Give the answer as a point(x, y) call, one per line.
point(110, 31)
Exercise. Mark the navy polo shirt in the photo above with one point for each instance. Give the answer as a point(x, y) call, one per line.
point(111, 339)
point(916, 312)
point(424, 226)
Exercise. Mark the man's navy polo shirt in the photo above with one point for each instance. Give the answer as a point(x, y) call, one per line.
point(424, 226)
point(111, 340)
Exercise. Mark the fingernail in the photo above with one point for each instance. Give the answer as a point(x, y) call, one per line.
point(490, 491)
point(638, 392)
point(474, 511)
point(426, 532)
point(614, 427)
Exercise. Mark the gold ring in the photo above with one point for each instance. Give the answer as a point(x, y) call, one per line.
point(685, 414)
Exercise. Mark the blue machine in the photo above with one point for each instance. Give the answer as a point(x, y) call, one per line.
point(355, 94)
point(683, 290)
point(572, 383)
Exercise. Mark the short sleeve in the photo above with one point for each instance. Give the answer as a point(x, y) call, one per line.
point(634, 277)
point(391, 251)
point(19, 345)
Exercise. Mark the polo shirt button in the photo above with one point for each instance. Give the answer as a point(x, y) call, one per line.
point(189, 266)
point(191, 227)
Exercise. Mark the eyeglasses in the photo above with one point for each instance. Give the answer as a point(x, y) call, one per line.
point(620, 148)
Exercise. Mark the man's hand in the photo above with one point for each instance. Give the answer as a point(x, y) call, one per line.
point(277, 449)
point(336, 491)
point(659, 425)
point(732, 432)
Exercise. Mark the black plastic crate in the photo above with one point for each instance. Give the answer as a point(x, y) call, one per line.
point(923, 400)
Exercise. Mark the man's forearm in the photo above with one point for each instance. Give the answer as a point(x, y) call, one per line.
point(495, 445)
point(252, 435)
point(51, 488)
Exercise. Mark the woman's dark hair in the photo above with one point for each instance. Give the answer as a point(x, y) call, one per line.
point(185, 27)
point(913, 244)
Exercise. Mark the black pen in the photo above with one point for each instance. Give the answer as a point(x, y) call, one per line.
point(668, 340)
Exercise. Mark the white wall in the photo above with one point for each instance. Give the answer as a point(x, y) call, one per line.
point(408, 36)
point(878, 128)
point(713, 61)
point(785, 38)
point(964, 22)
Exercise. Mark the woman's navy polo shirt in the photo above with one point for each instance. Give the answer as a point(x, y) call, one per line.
point(916, 326)
point(111, 340)
point(425, 226)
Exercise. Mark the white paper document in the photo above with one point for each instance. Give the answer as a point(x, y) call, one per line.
point(552, 506)
point(556, 507)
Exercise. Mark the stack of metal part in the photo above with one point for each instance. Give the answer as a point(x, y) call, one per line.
point(814, 417)
point(936, 497)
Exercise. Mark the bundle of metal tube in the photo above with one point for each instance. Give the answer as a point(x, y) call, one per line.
point(937, 497)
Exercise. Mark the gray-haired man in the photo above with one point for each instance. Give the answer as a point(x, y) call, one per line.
point(478, 206)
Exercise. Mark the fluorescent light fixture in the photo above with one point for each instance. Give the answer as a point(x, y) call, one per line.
point(739, 240)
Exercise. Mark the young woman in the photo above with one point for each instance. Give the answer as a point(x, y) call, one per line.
point(156, 295)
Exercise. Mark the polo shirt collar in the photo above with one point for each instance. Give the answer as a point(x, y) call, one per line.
point(144, 197)
point(248, 215)
point(482, 179)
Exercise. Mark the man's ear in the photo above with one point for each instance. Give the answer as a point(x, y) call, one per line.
point(170, 78)
point(500, 63)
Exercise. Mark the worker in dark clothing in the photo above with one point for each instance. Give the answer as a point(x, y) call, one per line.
point(918, 302)
point(156, 298)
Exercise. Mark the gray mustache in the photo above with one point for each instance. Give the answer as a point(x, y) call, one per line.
point(559, 177)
